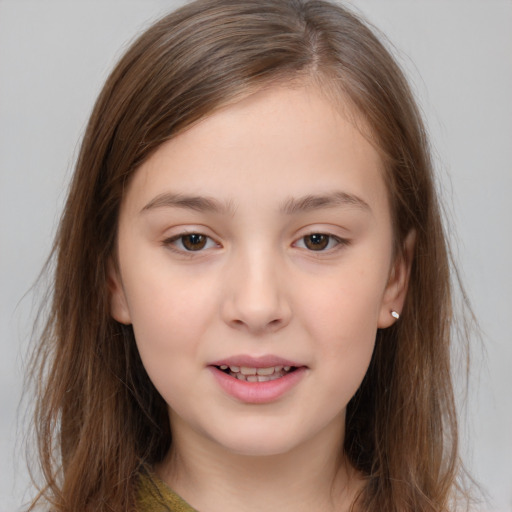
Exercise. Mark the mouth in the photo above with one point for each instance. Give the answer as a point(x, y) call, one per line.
point(257, 380)
point(253, 374)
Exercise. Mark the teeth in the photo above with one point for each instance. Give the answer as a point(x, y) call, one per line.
point(249, 374)
point(265, 371)
point(265, 378)
point(248, 371)
point(256, 378)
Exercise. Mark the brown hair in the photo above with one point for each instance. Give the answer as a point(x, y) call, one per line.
point(99, 419)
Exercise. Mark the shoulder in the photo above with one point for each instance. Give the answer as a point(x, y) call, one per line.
point(153, 495)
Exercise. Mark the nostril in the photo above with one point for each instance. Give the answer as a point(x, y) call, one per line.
point(260, 327)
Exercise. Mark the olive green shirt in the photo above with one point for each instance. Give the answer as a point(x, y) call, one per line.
point(155, 496)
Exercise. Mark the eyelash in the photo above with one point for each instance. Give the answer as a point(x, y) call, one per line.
point(330, 238)
point(171, 242)
point(333, 242)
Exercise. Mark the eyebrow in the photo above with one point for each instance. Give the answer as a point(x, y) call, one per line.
point(316, 202)
point(197, 203)
point(291, 206)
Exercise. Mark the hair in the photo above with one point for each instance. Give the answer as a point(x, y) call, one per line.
point(93, 392)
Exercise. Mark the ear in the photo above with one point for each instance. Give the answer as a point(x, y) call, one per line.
point(396, 288)
point(118, 304)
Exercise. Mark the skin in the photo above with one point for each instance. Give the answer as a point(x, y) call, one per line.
point(257, 288)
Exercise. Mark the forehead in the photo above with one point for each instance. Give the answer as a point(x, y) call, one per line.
point(277, 142)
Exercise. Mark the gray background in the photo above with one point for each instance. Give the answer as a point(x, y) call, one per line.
point(54, 57)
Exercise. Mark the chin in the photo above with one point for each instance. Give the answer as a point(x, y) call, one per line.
point(259, 442)
point(257, 449)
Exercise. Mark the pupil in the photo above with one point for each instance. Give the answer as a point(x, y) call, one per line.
point(317, 241)
point(194, 242)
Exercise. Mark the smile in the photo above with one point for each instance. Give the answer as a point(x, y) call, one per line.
point(257, 380)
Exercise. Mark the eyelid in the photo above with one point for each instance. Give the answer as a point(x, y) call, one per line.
point(169, 242)
point(340, 241)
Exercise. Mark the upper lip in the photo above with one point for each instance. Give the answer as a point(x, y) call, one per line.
point(265, 361)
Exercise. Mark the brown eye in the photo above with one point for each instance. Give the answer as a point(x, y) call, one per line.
point(194, 242)
point(316, 241)
point(190, 242)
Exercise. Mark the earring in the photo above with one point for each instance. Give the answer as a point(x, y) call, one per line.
point(394, 314)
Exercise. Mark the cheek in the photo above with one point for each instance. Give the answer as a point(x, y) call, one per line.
point(348, 335)
point(169, 314)
point(347, 303)
point(341, 317)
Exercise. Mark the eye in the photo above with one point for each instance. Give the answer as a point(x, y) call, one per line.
point(190, 242)
point(318, 242)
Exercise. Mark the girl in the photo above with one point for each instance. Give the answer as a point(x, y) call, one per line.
point(251, 305)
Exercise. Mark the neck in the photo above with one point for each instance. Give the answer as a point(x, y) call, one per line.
point(312, 476)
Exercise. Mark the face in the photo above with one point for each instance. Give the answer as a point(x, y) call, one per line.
point(255, 262)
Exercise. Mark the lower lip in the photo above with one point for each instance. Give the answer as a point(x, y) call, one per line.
point(257, 392)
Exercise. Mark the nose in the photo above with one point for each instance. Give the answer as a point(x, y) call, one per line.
point(255, 296)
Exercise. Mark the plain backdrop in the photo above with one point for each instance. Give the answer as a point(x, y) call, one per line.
point(54, 57)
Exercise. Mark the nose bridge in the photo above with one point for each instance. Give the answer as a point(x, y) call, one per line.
point(256, 298)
